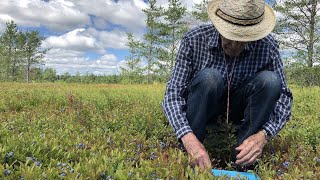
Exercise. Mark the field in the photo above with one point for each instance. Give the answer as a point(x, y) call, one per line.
point(77, 131)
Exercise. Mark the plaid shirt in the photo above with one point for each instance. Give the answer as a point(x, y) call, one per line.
point(200, 48)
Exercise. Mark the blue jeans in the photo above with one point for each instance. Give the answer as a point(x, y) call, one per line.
point(250, 105)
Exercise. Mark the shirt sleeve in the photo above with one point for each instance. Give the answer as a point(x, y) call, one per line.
point(282, 110)
point(174, 103)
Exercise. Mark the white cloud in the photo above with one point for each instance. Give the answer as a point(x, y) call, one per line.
point(88, 39)
point(108, 59)
point(110, 39)
point(127, 13)
point(58, 15)
point(100, 23)
point(74, 40)
point(74, 61)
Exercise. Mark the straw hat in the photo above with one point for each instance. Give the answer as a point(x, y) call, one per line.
point(242, 20)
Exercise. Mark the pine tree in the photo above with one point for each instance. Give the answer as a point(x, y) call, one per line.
point(200, 11)
point(299, 27)
point(133, 61)
point(33, 52)
point(151, 38)
point(10, 62)
point(172, 30)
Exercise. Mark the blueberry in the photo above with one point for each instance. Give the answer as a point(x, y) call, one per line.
point(81, 145)
point(130, 174)
point(63, 165)
point(63, 174)
point(279, 172)
point(72, 170)
point(286, 164)
point(7, 172)
point(162, 145)
point(153, 156)
point(109, 178)
point(58, 164)
point(10, 154)
point(81, 130)
point(21, 178)
point(139, 146)
point(37, 163)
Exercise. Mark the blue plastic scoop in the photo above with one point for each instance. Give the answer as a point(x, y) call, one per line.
point(235, 174)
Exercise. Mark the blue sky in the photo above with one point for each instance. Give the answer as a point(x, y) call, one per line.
point(83, 35)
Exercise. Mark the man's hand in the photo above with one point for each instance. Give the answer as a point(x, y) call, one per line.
point(251, 148)
point(197, 153)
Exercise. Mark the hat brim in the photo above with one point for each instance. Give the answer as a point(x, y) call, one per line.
point(238, 32)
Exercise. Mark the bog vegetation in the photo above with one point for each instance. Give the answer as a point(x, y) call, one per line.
point(52, 131)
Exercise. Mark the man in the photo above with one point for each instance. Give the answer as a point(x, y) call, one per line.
point(237, 55)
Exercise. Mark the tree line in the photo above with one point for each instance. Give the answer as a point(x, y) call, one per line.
point(151, 56)
point(20, 53)
point(297, 30)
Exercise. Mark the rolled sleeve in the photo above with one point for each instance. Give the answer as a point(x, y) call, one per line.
point(174, 102)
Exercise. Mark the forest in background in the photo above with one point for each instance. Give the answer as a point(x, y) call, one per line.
point(152, 56)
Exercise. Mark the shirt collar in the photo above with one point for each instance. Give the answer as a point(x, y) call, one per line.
point(214, 42)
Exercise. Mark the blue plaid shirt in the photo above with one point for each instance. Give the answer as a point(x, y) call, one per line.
point(201, 48)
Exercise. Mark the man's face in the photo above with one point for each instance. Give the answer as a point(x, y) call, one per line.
point(232, 48)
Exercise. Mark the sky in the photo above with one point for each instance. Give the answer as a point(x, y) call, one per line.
point(85, 36)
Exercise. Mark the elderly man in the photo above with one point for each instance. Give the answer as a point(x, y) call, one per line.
point(234, 58)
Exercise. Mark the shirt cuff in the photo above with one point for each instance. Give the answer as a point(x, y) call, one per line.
point(270, 130)
point(183, 131)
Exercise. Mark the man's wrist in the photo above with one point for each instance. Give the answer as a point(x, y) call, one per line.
point(191, 143)
point(188, 137)
point(266, 135)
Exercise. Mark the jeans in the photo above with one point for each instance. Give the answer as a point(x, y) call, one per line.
point(250, 105)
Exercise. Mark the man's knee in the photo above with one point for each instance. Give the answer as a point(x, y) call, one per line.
point(208, 79)
point(269, 82)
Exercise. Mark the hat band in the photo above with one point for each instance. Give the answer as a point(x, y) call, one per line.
point(238, 21)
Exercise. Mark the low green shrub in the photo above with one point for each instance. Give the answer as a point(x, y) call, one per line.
point(304, 76)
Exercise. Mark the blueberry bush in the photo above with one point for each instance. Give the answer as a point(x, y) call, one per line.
point(77, 131)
